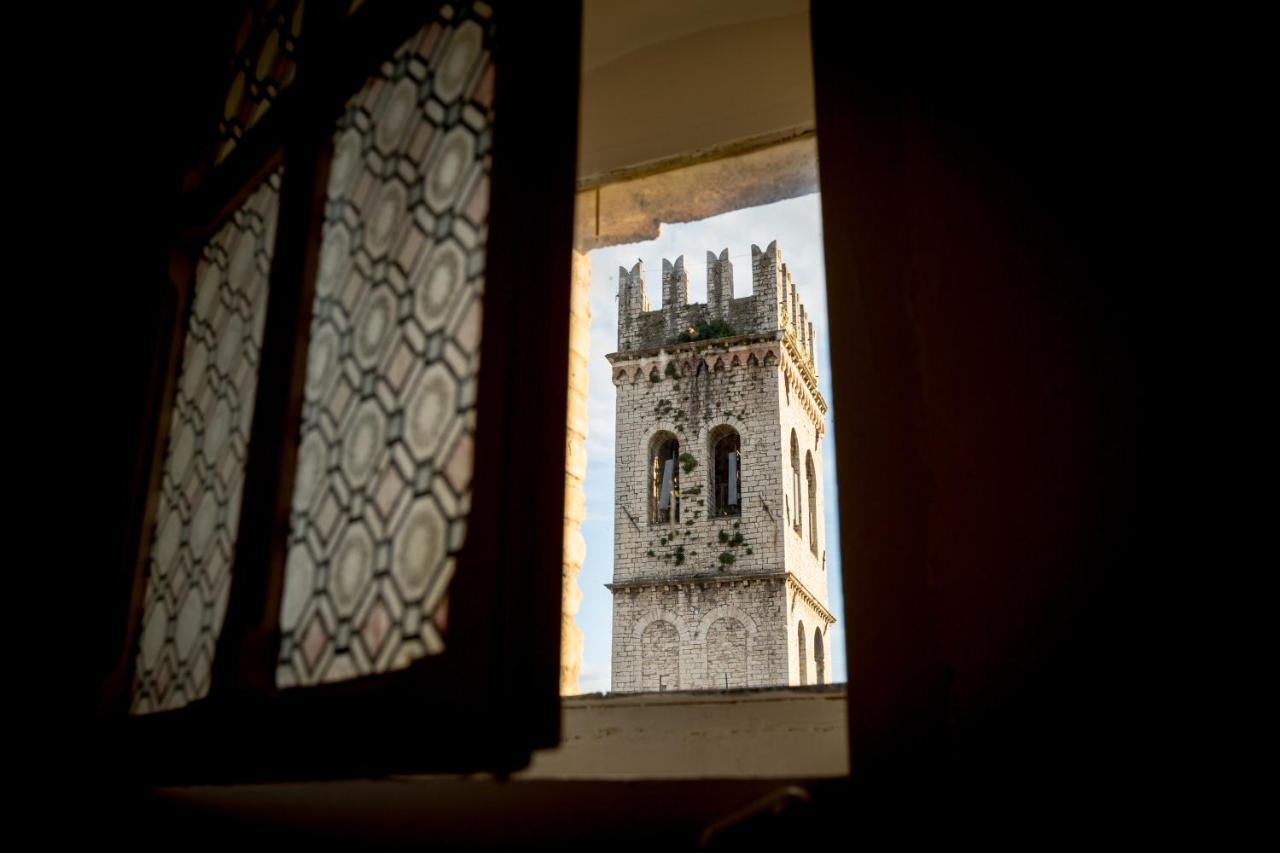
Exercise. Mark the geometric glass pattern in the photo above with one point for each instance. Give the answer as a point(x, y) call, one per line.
point(198, 511)
point(384, 462)
point(263, 64)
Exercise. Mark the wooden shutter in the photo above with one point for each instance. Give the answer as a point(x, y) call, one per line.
point(330, 579)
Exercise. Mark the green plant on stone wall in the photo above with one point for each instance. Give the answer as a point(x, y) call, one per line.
point(726, 558)
point(687, 462)
point(705, 330)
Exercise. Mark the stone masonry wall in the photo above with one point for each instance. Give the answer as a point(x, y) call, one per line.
point(687, 392)
point(575, 472)
point(802, 613)
point(727, 631)
point(799, 555)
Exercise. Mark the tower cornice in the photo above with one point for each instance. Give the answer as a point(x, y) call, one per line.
point(789, 578)
point(650, 353)
point(806, 370)
point(638, 363)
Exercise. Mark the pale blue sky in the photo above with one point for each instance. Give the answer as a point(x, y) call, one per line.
point(797, 226)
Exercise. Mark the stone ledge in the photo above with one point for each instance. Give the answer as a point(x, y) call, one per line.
point(750, 733)
point(724, 580)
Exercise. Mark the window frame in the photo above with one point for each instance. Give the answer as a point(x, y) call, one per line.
point(493, 692)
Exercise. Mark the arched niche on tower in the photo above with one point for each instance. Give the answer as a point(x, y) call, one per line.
point(801, 653)
point(662, 473)
point(811, 476)
point(819, 658)
point(724, 451)
point(795, 481)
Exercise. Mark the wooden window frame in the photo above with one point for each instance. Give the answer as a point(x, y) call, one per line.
point(492, 695)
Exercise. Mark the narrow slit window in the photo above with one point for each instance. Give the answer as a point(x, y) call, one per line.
point(812, 477)
point(819, 658)
point(795, 480)
point(804, 659)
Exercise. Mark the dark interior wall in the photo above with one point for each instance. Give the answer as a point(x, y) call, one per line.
point(151, 78)
point(985, 207)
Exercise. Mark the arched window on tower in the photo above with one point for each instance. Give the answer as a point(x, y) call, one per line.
point(803, 655)
point(795, 481)
point(664, 479)
point(726, 471)
point(812, 477)
point(819, 658)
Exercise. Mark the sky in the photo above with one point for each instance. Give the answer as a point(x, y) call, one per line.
point(797, 226)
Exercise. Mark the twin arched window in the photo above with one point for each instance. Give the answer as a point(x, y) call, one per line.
point(725, 446)
point(819, 656)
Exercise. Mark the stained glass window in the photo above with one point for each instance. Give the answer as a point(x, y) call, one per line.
point(382, 488)
point(263, 64)
point(198, 510)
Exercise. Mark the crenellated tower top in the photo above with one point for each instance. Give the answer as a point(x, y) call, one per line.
point(773, 306)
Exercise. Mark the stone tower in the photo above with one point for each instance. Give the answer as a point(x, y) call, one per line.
point(719, 561)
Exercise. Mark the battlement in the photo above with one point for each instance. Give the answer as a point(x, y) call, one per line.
point(774, 304)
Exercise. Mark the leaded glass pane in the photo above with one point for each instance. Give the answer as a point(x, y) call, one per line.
point(384, 465)
point(198, 511)
point(263, 64)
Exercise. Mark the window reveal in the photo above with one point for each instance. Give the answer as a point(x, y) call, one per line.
point(804, 657)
